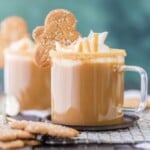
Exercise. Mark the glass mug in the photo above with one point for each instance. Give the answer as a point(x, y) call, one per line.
point(88, 89)
point(26, 82)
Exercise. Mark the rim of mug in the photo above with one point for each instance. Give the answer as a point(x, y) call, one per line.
point(113, 53)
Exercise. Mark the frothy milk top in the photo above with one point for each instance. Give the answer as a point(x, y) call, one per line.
point(24, 46)
point(90, 47)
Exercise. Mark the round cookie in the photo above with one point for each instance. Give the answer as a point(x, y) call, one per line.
point(8, 134)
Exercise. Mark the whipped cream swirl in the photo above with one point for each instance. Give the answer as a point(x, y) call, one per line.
point(23, 45)
point(94, 43)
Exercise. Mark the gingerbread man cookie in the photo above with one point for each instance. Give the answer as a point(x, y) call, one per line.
point(59, 26)
point(11, 29)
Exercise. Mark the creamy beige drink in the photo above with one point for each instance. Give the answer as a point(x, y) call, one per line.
point(29, 84)
point(87, 87)
point(90, 93)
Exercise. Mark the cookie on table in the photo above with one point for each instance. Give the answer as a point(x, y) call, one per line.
point(7, 134)
point(44, 128)
point(18, 144)
point(12, 144)
point(134, 103)
point(16, 124)
point(31, 142)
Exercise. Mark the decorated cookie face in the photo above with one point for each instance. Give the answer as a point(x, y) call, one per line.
point(60, 26)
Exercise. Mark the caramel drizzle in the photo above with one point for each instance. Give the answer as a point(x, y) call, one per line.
point(88, 45)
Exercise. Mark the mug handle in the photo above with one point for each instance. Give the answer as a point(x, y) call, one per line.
point(144, 87)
